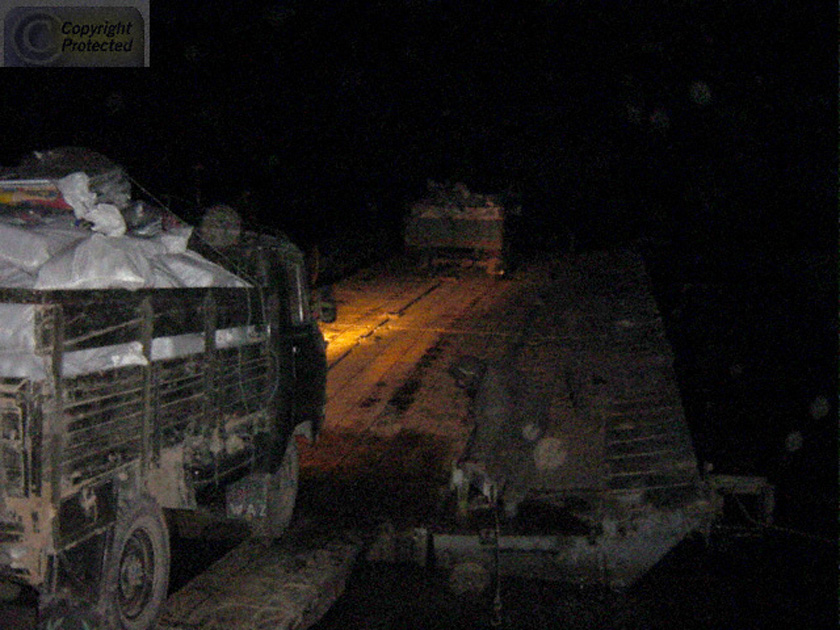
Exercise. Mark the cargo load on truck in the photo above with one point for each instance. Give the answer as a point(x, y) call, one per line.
point(75, 230)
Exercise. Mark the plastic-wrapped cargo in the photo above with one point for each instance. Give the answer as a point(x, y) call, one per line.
point(42, 169)
point(45, 246)
point(457, 202)
point(67, 222)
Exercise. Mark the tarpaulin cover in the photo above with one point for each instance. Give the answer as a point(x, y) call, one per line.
point(62, 227)
point(45, 246)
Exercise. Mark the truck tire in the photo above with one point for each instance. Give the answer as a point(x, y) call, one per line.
point(281, 498)
point(135, 574)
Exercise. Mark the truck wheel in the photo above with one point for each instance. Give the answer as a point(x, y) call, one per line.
point(135, 576)
point(281, 497)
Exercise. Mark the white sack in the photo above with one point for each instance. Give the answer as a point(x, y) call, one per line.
point(175, 240)
point(163, 277)
point(106, 218)
point(15, 278)
point(22, 365)
point(237, 336)
point(59, 233)
point(61, 255)
point(195, 271)
point(75, 189)
point(22, 247)
point(99, 262)
point(17, 328)
point(29, 247)
point(177, 346)
point(105, 358)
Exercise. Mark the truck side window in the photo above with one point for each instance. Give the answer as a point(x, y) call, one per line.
point(298, 294)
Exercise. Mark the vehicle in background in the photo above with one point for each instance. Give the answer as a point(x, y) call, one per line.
point(452, 223)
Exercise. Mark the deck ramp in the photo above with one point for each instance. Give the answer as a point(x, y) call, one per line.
point(585, 347)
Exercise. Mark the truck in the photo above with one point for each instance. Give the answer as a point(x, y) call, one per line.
point(452, 223)
point(120, 402)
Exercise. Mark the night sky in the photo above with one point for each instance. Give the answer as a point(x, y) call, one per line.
point(705, 131)
point(667, 118)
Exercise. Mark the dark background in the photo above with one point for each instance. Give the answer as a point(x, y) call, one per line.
point(325, 109)
point(702, 133)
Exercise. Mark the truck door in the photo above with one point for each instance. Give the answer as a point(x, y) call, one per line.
point(308, 352)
